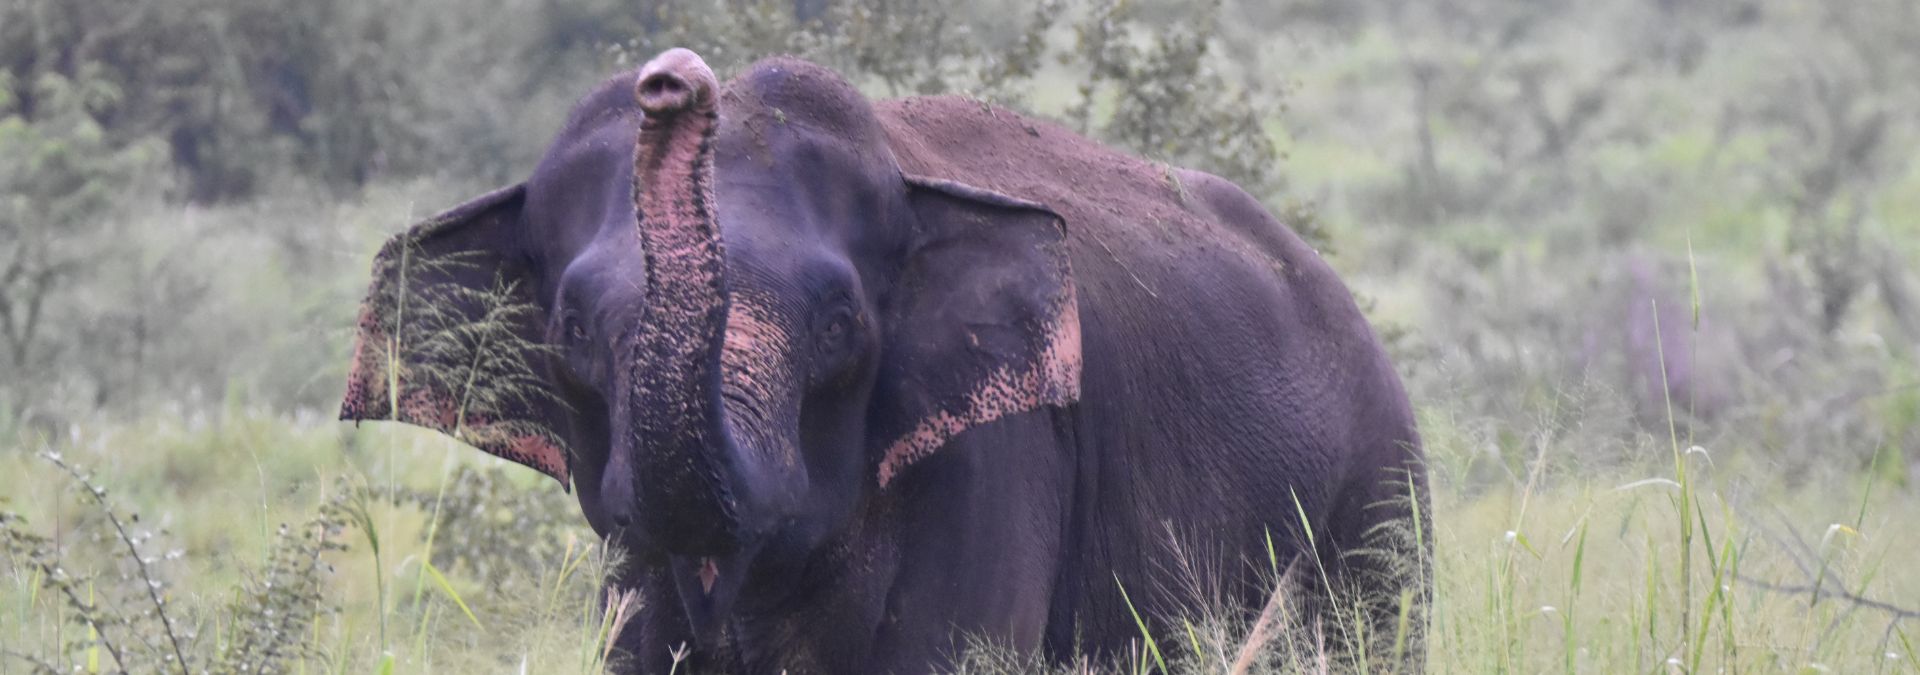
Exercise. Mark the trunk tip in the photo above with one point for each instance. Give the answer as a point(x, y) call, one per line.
point(673, 82)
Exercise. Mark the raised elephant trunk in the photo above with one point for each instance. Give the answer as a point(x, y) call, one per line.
point(674, 423)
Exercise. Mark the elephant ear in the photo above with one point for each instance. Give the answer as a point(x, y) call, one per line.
point(982, 324)
point(450, 337)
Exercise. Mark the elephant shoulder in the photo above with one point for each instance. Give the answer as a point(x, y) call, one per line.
point(1094, 187)
point(1238, 215)
point(1127, 217)
point(973, 141)
point(1313, 292)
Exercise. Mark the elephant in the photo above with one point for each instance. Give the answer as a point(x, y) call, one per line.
point(855, 383)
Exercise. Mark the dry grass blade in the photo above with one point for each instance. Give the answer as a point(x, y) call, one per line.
point(1270, 624)
point(621, 606)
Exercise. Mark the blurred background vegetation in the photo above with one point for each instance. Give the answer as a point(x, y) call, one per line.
point(191, 186)
point(1602, 228)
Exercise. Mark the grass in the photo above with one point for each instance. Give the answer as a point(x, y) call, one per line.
point(1707, 565)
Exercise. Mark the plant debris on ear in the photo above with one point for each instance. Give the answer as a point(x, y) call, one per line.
point(450, 339)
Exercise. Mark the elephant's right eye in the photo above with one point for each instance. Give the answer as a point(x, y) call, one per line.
point(834, 338)
point(573, 328)
point(575, 349)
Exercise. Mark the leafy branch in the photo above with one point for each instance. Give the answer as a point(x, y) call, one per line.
point(141, 563)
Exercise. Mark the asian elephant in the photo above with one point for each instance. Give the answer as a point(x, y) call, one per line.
point(853, 382)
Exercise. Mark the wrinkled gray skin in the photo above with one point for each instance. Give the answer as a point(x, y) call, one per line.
point(851, 382)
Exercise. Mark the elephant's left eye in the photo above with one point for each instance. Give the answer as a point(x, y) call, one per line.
point(572, 329)
point(833, 337)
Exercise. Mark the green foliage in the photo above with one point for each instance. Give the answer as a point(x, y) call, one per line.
point(58, 201)
point(268, 621)
point(101, 599)
point(1154, 84)
point(231, 90)
point(110, 113)
point(490, 526)
point(1527, 182)
point(1172, 99)
point(128, 616)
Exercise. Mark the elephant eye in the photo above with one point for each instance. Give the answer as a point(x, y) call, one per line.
point(834, 336)
point(577, 356)
point(573, 328)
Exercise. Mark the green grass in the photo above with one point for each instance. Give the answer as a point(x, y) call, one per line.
point(1706, 565)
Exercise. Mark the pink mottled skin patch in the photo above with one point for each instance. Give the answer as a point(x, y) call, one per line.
point(368, 363)
point(756, 371)
point(1061, 361)
point(367, 383)
point(508, 441)
point(369, 397)
point(1054, 379)
point(423, 407)
point(551, 456)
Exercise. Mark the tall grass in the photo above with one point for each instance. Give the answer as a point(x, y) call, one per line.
point(1566, 569)
point(88, 584)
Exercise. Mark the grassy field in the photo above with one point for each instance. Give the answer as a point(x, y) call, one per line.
point(437, 560)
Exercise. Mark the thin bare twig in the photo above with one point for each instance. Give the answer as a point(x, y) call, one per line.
point(99, 496)
point(1828, 592)
point(39, 665)
point(54, 578)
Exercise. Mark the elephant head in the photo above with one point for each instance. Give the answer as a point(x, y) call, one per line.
point(734, 337)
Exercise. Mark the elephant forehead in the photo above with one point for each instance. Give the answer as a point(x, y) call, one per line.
point(790, 121)
point(793, 91)
point(775, 149)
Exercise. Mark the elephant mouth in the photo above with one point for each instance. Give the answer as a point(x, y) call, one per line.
point(708, 587)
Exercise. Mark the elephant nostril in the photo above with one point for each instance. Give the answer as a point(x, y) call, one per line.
point(664, 93)
point(662, 84)
point(674, 82)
